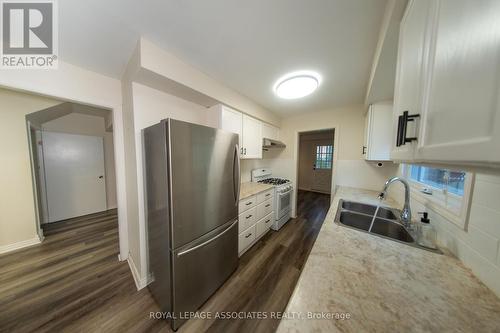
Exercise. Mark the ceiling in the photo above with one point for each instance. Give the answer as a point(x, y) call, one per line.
point(246, 45)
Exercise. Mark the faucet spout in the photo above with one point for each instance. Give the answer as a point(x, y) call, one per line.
point(406, 212)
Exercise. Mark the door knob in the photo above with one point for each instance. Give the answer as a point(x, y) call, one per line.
point(101, 177)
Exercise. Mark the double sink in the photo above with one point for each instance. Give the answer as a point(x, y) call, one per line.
point(376, 220)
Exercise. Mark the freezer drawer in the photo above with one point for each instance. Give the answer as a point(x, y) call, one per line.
point(201, 267)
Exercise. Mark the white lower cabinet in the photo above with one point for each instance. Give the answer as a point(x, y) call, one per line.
point(247, 203)
point(264, 208)
point(245, 239)
point(256, 215)
point(264, 225)
point(247, 219)
point(263, 196)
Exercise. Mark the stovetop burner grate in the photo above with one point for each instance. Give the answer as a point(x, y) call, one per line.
point(274, 181)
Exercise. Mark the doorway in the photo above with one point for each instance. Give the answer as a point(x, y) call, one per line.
point(315, 171)
point(72, 158)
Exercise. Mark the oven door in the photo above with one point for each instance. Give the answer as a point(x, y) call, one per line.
point(284, 204)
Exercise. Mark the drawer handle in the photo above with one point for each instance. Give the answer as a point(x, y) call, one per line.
point(248, 235)
point(248, 203)
point(249, 216)
point(268, 205)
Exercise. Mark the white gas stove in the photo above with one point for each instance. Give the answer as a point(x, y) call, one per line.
point(283, 190)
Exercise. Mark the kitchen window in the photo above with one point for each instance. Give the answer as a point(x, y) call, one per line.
point(445, 191)
point(324, 156)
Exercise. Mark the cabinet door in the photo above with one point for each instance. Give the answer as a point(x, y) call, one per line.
point(366, 133)
point(270, 132)
point(379, 132)
point(461, 121)
point(414, 41)
point(231, 121)
point(252, 138)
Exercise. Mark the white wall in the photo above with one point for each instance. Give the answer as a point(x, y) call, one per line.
point(150, 107)
point(478, 247)
point(18, 225)
point(350, 169)
point(157, 60)
point(72, 83)
point(76, 123)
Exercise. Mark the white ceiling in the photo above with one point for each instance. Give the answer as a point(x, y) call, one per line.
point(245, 44)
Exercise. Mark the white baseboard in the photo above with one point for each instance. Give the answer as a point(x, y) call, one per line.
point(140, 283)
point(19, 245)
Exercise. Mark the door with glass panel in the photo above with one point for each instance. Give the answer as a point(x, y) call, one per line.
point(322, 168)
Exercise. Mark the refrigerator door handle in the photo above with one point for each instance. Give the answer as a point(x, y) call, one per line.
point(236, 175)
point(186, 251)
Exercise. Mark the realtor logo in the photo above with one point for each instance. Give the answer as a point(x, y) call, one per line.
point(29, 36)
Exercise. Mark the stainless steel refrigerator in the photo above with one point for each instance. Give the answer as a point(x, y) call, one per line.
point(193, 183)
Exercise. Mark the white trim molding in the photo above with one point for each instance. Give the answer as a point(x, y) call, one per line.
point(140, 283)
point(19, 245)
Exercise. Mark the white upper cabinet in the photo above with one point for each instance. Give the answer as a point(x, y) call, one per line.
point(378, 132)
point(461, 121)
point(232, 121)
point(414, 37)
point(249, 129)
point(270, 132)
point(252, 138)
point(448, 79)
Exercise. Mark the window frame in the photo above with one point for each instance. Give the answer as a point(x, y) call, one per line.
point(440, 202)
point(329, 153)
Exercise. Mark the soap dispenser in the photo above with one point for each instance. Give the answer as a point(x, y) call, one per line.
point(426, 232)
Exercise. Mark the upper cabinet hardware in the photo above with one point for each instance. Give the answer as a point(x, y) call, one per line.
point(403, 120)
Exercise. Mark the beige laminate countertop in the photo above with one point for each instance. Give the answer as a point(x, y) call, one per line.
point(385, 286)
point(252, 188)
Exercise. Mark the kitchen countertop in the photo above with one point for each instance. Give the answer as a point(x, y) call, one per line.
point(252, 188)
point(385, 286)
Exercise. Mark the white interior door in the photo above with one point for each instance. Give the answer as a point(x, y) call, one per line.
point(74, 175)
point(322, 168)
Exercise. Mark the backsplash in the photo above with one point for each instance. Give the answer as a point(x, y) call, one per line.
point(478, 247)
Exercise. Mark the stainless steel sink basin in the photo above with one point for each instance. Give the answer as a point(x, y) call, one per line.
point(354, 220)
point(358, 207)
point(375, 220)
point(386, 214)
point(392, 230)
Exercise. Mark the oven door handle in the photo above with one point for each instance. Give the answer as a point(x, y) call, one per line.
point(285, 193)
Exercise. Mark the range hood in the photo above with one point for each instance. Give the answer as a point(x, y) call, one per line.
point(270, 143)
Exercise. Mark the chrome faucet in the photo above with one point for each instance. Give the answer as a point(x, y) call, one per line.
point(406, 212)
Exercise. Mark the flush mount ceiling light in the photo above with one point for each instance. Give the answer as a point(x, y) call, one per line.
point(297, 84)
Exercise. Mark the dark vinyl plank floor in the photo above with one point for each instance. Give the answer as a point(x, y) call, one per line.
point(73, 281)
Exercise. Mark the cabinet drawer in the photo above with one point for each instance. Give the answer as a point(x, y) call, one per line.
point(246, 238)
point(264, 225)
point(264, 208)
point(261, 197)
point(247, 219)
point(247, 203)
